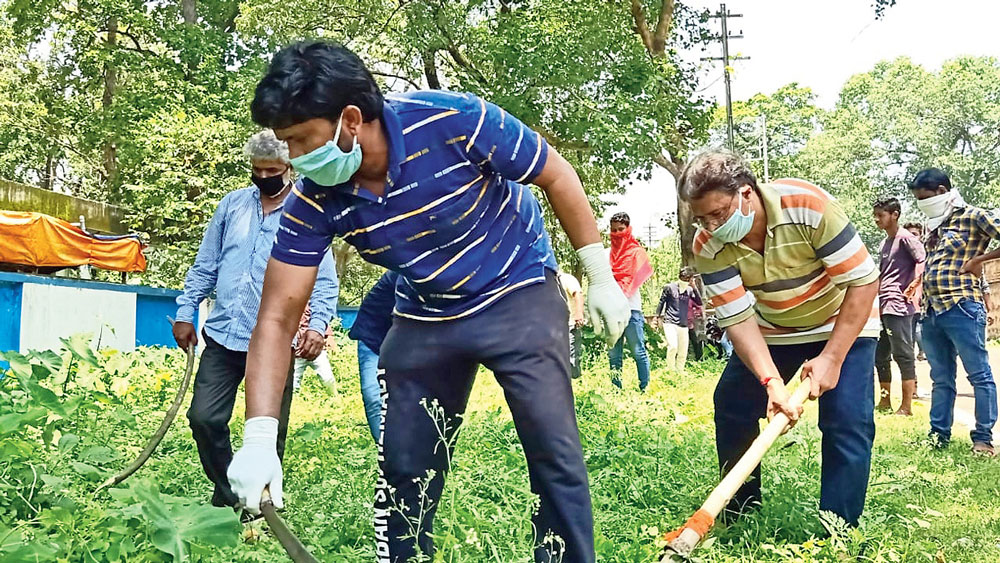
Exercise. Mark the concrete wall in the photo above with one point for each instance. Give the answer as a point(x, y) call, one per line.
point(36, 311)
point(99, 216)
point(51, 312)
point(991, 270)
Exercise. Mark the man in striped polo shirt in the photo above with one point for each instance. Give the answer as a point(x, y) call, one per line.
point(432, 185)
point(794, 286)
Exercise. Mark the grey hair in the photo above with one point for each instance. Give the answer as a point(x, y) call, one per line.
point(715, 169)
point(263, 145)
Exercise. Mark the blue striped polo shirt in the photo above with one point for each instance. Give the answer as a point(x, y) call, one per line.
point(457, 221)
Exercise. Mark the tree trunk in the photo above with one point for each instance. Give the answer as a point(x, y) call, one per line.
point(189, 10)
point(107, 99)
point(342, 253)
point(655, 42)
point(430, 69)
point(685, 221)
point(46, 180)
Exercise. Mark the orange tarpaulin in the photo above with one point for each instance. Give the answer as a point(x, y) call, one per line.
point(36, 239)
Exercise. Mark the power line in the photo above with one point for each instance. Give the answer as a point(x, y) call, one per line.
point(724, 16)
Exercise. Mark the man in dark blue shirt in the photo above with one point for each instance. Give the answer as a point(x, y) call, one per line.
point(432, 185)
point(370, 327)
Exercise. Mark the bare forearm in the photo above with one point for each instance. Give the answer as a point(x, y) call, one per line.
point(268, 360)
point(983, 258)
point(282, 301)
point(578, 306)
point(854, 314)
point(569, 202)
point(749, 345)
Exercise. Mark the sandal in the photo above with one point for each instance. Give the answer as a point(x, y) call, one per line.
point(983, 449)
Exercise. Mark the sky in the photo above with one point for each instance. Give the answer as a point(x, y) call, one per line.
point(820, 44)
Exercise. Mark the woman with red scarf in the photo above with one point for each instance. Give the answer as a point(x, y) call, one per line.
point(630, 266)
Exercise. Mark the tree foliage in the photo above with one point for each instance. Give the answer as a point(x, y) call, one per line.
point(887, 124)
point(898, 118)
point(790, 117)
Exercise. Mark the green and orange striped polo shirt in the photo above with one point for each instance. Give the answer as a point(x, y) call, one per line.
point(812, 254)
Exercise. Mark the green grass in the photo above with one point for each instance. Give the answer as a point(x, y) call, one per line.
point(651, 461)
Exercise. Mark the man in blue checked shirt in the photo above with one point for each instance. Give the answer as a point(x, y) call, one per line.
point(432, 185)
point(231, 261)
point(954, 321)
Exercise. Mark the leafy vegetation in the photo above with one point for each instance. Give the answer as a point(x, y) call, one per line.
point(69, 419)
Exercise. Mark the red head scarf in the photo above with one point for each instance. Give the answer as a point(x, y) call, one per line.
point(629, 261)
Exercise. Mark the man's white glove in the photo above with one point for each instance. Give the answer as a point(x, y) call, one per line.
point(256, 465)
point(608, 307)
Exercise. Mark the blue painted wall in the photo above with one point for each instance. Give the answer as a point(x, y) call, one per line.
point(10, 318)
point(151, 325)
point(152, 307)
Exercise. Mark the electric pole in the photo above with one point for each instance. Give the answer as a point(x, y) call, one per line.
point(649, 234)
point(724, 15)
point(763, 142)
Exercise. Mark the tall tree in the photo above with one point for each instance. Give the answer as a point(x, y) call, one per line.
point(898, 118)
point(664, 26)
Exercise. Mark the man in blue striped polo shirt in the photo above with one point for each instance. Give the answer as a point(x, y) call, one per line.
point(431, 185)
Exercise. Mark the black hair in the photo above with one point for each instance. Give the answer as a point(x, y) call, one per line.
point(930, 179)
point(314, 79)
point(916, 226)
point(687, 272)
point(888, 204)
point(621, 217)
point(715, 170)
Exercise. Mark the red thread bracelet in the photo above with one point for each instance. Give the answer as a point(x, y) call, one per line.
point(767, 380)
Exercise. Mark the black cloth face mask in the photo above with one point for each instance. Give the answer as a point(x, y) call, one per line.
point(270, 186)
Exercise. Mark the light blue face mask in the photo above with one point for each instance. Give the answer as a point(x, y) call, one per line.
point(328, 165)
point(737, 226)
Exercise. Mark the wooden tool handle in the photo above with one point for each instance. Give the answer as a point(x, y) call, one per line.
point(293, 546)
point(684, 544)
point(740, 472)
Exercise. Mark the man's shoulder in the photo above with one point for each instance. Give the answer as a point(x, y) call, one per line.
point(238, 198)
point(414, 101)
point(801, 202)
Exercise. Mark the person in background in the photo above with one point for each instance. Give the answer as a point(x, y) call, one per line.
point(794, 287)
point(574, 300)
point(436, 186)
point(231, 261)
point(901, 257)
point(321, 363)
point(917, 230)
point(696, 322)
point(631, 267)
point(954, 323)
point(674, 312)
point(370, 327)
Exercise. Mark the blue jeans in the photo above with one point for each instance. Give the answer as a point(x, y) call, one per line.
point(368, 368)
point(960, 331)
point(636, 336)
point(727, 344)
point(845, 419)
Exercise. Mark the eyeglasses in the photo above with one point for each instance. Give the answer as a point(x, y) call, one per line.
point(711, 221)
